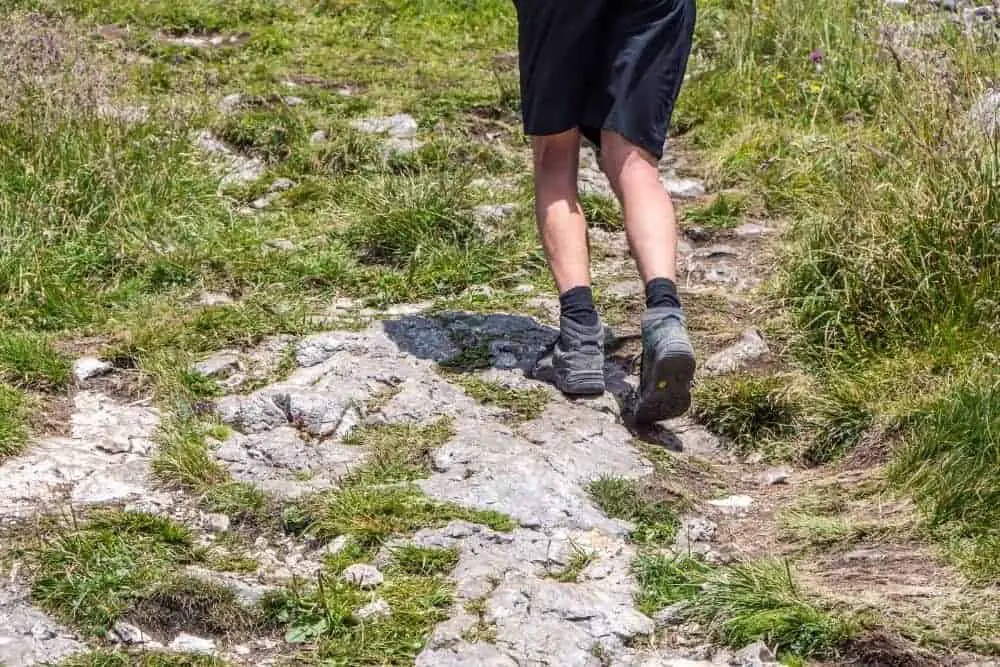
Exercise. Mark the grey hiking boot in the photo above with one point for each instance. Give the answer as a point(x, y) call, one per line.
point(667, 366)
point(578, 359)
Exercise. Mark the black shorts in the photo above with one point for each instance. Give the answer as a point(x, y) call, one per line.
point(603, 64)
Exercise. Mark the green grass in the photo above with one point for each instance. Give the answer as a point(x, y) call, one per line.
point(891, 277)
point(416, 560)
point(397, 452)
point(140, 659)
point(723, 212)
point(323, 614)
point(739, 605)
point(128, 566)
point(28, 361)
point(655, 520)
point(752, 411)
point(951, 464)
point(13, 421)
point(666, 580)
point(135, 230)
point(194, 606)
point(578, 561)
point(521, 404)
point(369, 515)
point(761, 601)
point(602, 212)
point(91, 576)
point(183, 459)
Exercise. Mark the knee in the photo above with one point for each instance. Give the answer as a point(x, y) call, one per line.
point(557, 155)
point(624, 163)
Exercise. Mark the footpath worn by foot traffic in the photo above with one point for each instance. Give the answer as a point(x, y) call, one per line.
point(287, 439)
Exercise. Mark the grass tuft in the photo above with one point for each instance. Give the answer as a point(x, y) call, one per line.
point(13, 421)
point(369, 515)
point(90, 576)
point(752, 411)
point(412, 559)
point(522, 404)
point(140, 659)
point(28, 361)
point(656, 521)
point(761, 601)
point(185, 604)
point(397, 452)
point(324, 614)
point(951, 464)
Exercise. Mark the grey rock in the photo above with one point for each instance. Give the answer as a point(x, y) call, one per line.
point(264, 201)
point(87, 368)
point(126, 114)
point(185, 643)
point(684, 188)
point(281, 462)
point(363, 576)
point(756, 655)
point(239, 169)
point(282, 184)
point(259, 412)
point(314, 351)
point(219, 365)
point(734, 505)
point(399, 126)
point(463, 654)
point(694, 438)
point(750, 230)
point(215, 299)
point(43, 631)
point(29, 637)
point(104, 458)
point(128, 634)
point(698, 233)
point(489, 215)
point(319, 137)
point(281, 244)
point(750, 347)
point(379, 610)
point(337, 545)
point(231, 103)
point(778, 475)
point(217, 522)
point(672, 615)
point(247, 592)
point(320, 414)
point(985, 113)
point(694, 536)
point(715, 252)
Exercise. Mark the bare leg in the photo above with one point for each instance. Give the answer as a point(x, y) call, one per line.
point(650, 222)
point(557, 209)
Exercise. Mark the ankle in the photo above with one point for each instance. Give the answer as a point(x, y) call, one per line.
point(662, 293)
point(577, 305)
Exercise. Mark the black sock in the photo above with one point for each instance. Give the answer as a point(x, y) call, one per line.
point(577, 305)
point(662, 293)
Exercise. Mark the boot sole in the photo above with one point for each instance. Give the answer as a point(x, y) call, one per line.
point(670, 395)
point(582, 384)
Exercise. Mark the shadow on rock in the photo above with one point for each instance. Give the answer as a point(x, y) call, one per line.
point(469, 342)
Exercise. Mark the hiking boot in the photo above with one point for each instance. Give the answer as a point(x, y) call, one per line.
point(578, 359)
point(667, 366)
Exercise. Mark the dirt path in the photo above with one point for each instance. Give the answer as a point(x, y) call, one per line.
point(514, 603)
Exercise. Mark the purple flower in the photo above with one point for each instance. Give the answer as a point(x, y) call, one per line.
point(816, 56)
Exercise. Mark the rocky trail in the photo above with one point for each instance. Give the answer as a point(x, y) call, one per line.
point(560, 586)
point(288, 440)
